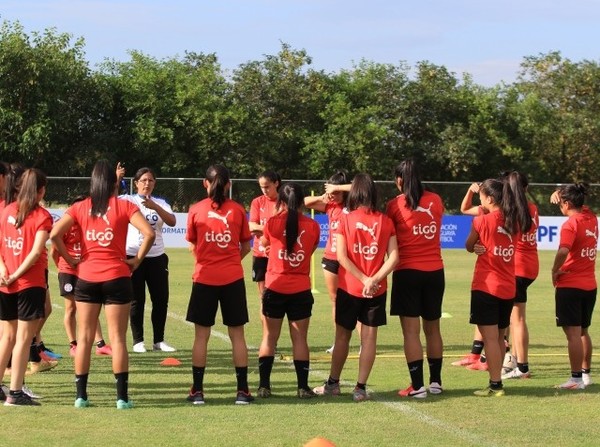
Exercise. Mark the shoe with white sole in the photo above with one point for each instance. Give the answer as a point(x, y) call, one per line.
point(420, 393)
point(435, 388)
point(162, 346)
point(139, 348)
point(572, 384)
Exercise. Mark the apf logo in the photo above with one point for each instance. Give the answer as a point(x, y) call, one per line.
point(222, 239)
point(295, 258)
point(103, 238)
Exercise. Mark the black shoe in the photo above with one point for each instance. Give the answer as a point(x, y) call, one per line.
point(243, 398)
point(20, 399)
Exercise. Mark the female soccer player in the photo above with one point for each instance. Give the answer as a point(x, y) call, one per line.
point(290, 238)
point(418, 281)
point(217, 228)
point(363, 239)
point(104, 273)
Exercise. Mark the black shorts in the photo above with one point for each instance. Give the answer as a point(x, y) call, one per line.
point(115, 291)
point(522, 285)
point(26, 305)
point(369, 311)
point(205, 299)
point(416, 293)
point(489, 310)
point(259, 268)
point(574, 307)
point(297, 306)
point(67, 283)
point(330, 265)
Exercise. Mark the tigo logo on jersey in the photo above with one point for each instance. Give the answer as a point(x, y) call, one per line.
point(428, 231)
point(16, 245)
point(222, 239)
point(296, 258)
point(103, 238)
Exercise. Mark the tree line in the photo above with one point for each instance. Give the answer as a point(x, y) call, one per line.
point(180, 114)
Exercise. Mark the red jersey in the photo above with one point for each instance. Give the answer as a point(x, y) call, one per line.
point(527, 264)
point(495, 269)
point(261, 209)
point(579, 234)
point(103, 239)
point(17, 243)
point(334, 212)
point(216, 235)
point(418, 232)
point(72, 240)
point(290, 272)
point(366, 235)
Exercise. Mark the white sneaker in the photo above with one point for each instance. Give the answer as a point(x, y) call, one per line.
point(139, 347)
point(330, 350)
point(516, 374)
point(572, 384)
point(509, 364)
point(162, 346)
point(435, 388)
point(587, 379)
point(30, 392)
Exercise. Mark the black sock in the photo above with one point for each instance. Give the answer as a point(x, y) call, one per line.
point(523, 367)
point(122, 385)
point(241, 374)
point(496, 385)
point(302, 367)
point(73, 343)
point(415, 369)
point(585, 370)
point(477, 347)
point(362, 386)
point(198, 376)
point(14, 393)
point(81, 381)
point(265, 366)
point(34, 353)
point(100, 343)
point(435, 370)
point(576, 374)
point(332, 381)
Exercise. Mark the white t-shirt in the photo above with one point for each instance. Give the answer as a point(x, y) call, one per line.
point(134, 237)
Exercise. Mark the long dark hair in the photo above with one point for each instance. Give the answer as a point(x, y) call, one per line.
point(103, 185)
point(574, 193)
point(412, 188)
point(517, 183)
point(32, 181)
point(363, 192)
point(292, 195)
point(340, 178)
point(512, 202)
point(218, 177)
point(13, 182)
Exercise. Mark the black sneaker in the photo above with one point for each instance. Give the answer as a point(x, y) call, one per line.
point(20, 399)
point(197, 397)
point(243, 398)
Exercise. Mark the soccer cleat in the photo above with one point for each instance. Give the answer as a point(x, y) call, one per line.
point(360, 395)
point(516, 374)
point(478, 366)
point(421, 393)
point(435, 388)
point(51, 354)
point(45, 357)
point(587, 379)
point(330, 350)
point(327, 390)
point(21, 399)
point(80, 402)
point(43, 365)
point(162, 346)
point(30, 392)
point(104, 350)
point(489, 392)
point(73, 350)
point(197, 397)
point(467, 360)
point(139, 348)
point(243, 398)
point(124, 404)
point(263, 392)
point(572, 384)
point(509, 363)
point(306, 393)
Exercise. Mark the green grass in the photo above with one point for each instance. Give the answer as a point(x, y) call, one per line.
point(532, 413)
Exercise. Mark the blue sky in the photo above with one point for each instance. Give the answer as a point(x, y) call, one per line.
point(487, 39)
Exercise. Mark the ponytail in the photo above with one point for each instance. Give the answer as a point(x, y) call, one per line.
point(292, 196)
point(218, 177)
point(521, 218)
point(412, 188)
point(574, 193)
point(33, 180)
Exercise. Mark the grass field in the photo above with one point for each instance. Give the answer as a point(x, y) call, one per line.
point(531, 413)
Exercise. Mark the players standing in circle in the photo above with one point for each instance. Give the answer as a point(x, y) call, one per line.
point(493, 238)
point(332, 203)
point(24, 226)
point(217, 228)
point(261, 209)
point(418, 281)
point(527, 267)
point(364, 237)
point(104, 274)
point(290, 239)
point(573, 276)
point(154, 269)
